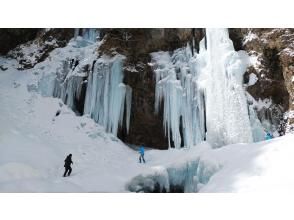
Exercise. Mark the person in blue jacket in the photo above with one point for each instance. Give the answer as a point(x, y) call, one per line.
point(268, 136)
point(141, 151)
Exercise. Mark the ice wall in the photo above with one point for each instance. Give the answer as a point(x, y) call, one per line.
point(203, 95)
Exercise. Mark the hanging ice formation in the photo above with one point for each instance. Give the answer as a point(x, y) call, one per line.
point(107, 95)
point(203, 95)
point(89, 85)
point(183, 99)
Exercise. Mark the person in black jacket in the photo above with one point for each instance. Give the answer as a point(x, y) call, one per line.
point(67, 163)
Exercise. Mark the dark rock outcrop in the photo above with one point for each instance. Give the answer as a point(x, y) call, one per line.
point(46, 40)
point(11, 37)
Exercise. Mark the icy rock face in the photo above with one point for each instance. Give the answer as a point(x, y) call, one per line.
point(272, 53)
point(203, 95)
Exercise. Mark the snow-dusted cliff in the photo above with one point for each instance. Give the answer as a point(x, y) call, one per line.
point(92, 91)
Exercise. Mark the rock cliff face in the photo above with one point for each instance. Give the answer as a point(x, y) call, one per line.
point(273, 53)
point(44, 42)
point(11, 37)
point(269, 80)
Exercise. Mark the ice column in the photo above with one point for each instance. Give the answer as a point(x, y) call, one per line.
point(227, 117)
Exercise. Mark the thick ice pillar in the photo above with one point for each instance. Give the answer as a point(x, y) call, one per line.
point(227, 117)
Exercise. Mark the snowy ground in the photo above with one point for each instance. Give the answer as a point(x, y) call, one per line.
point(34, 142)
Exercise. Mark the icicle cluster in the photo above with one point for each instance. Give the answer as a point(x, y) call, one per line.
point(89, 85)
point(107, 95)
point(181, 95)
point(108, 99)
point(203, 92)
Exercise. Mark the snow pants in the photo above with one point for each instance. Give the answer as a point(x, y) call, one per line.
point(67, 169)
point(141, 158)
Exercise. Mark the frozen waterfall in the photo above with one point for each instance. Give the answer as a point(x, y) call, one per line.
point(203, 95)
point(226, 105)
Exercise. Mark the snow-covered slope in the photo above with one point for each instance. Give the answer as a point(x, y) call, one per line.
point(262, 167)
point(34, 143)
point(36, 133)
